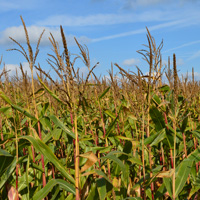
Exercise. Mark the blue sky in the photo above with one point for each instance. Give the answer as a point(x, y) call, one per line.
point(113, 30)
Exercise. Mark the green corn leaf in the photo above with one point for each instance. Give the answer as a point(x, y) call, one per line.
point(164, 88)
point(182, 175)
point(5, 109)
point(110, 114)
point(161, 190)
point(168, 185)
point(117, 161)
point(159, 138)
point(100, 173)
point(27, 177)
point(104, 93)
point(56, 133)
point(135, 160)
point(46, 151)
point(25, 180)
point(5, 98)
point(101, 187)
point(60, 124)
point(195, 185)
point(54, 196)
point(44, 109)
point(16, 107)
point(184, 124)
point(178, 133)
point(93, 194)
point(157, 118)
point(49, 186)
point(156, 99)
point(23, 112)
point(170, 140)
point(33, 165)
point(7, 173)
point(152, 137)
point(39, 91)
point(50, 92)
point(196, 134)
point(5, 160)
point(194, 156)
point(108, 131)
point(193, 191)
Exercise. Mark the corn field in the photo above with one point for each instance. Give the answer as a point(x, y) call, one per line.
point(132, 137)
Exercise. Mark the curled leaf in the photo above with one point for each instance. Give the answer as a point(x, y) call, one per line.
point(91, 160)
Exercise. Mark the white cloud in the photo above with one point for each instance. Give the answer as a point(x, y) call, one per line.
point(130, 62)
point(13, 67)
point(17, 33)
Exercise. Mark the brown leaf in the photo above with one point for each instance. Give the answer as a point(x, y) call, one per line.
point(92, 159)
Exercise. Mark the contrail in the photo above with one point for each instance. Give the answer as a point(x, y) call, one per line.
point(139, 31)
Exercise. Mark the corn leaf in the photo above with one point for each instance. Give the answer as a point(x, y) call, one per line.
point(5, 160)
point(182, 175)
point(49, 186)
point(101, 187)
point(60, 124)
point(46, 151)
point(157, 118)
point(104, 93)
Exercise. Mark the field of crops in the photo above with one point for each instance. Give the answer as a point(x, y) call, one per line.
point(132, 137)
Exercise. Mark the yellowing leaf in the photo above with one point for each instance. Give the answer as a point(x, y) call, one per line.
point(92, 159)
point(165, 174)
point(115, 182)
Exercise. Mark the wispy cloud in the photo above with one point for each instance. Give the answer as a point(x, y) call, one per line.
point(195, 55)
point(130, 62)
point(139, 31)
point(179, 62)
point(128, 4)
point(34, 33)
point(106, 19)
point(133, 4)
point(19, 5)
point(6, 6)
point(182, 46)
